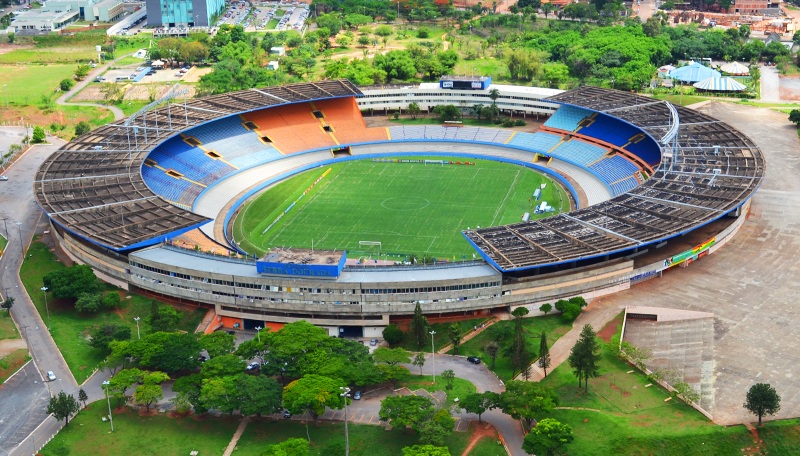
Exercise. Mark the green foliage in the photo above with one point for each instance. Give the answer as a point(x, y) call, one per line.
point(258, 395)
point(71, 282)
point(218, 343)
point(66, 84)
point(89, 302)
point(455, 336)
point(392, 334)
point(38, 135)
point(164, 351)
point(405, 411)
point(447, 112)
point(419, 361)
point(162, 317)
point(290, 447)
point(63, 406)
point(148, 394)
point(104, 334)
point(549, 436)
point(391, 356)
point(546, 308)
point(527, 400)
point(419, 326)
point(313, 393)
point(544, 353)
point(448, 377)
point(585, 356)
point(479, 403)
point(222, 365)
point(794, 116)
point(762, 399)
point(8, 304)
point(426, 450)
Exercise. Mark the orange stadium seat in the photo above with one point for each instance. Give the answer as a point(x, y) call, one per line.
point(348, 124)
point(291, 128)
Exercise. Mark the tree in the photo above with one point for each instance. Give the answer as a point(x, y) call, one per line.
point(69, 283)
point(404, 411)
point(546, 308)
point(448, 377)
point(794, 115)
point(66, 84)
point(426, 450)
point(291, 447)
point(217, 343)
point(519, 347)
point(492, 349)
point(549, 436)
point(104, 334)
point(544, 353)
point(221, 366)
point(62, 406)
point(419, 361)
point(163, 317)
point(392, 334)
point(585, 355)
point(81, 71)
point(762, 399)
point(38, 135)
point(89, 303)
point(8, 304)
point(220, 393)
point(312, 394)
point(391, 356)
point(419, 326)
point(83, 397)
point(413, 110)
point(164, 351)
point(455, 337)
point(447, 113)
point(258, 394)
point(435, 430)
point(112, 92)
point(148, 394)
point(393, 373)
point(478, 403)
point(525, 400)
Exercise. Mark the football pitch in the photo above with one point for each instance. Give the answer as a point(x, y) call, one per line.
point(409, 208)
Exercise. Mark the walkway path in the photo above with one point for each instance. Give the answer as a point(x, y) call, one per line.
point(62, 100)
point(770, 84)
point(473, 333)
point(236, 436)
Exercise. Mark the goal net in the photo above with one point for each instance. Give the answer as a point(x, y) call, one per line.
point(370, 244)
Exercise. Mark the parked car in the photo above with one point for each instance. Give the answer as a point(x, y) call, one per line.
point(357, 396)
point(201, 359)
point(287, 414)
point(51, 376)
point(373, 342)
point(3, 178)
point(252, 367)
point(474, 359)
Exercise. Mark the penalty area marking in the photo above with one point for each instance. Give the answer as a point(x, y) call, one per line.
point(402, 203)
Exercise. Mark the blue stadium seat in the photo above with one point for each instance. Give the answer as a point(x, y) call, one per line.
point(537, 142)
point(235, 143)
point(614, 168)
point(579, 152)
point(567, 118)
point(619, 133)
point(624, 185)
point(190, 161)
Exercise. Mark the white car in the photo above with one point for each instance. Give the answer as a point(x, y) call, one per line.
point(51, 376)
point(3, 178)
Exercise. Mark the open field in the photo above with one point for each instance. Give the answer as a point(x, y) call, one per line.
point(26, 84)
point(159, 434)
point(7, 328)
point(69, 328)
point(12, 362)
point(552, 325)
point(410, 208)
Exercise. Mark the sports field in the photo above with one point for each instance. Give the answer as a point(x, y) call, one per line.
point(410, 208)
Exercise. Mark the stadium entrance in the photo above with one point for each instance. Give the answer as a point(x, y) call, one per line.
point(351, 332)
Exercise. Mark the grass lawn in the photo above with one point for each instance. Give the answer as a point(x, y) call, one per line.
point(327, 437)
point(410, 207)
point(12, 362)
point(488, 447)
point(552, 325)
point(88, 434)
point(69, 328)
point(684, 100)
point(7, 328)
point(442, 336)
point(626, 417)
point(3, 243)
point(25, 84)
point(131, 106)
point(461, 387)
point(781, 437)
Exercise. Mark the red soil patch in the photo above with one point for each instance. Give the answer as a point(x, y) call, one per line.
point(610, 329)
point(626, 393)
point(479, 431)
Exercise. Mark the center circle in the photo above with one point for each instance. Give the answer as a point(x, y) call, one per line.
point(412, 203)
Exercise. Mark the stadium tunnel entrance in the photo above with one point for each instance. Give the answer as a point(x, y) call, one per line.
point(351, 331)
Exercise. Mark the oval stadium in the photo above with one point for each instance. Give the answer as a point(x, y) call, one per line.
point(151, 202)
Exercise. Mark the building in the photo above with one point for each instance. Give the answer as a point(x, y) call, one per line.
point(107, 10)
point(43, 20)
point(183, 13)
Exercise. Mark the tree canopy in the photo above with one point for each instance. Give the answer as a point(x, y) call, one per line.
point(312, 393)
point(762, 399)
point(548, 437)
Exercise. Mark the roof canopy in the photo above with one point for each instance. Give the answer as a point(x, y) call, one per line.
point(720, 85)
point(735, 68)
point(693, 72)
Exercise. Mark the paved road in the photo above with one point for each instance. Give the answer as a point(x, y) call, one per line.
point(62, 100)
point(770, 84)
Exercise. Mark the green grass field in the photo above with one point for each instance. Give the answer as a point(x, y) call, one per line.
point(25, 84)
point(409, 208)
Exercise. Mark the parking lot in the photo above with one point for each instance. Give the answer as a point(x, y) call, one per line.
point(288, 15)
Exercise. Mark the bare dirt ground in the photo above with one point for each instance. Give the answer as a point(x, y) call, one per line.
point(7, 346)
point(6, 48)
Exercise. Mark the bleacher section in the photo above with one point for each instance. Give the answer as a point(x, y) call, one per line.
point(236, 144)
point(191, 162)
point(624, 185)
point(567, 118)
point(348, 124)
point(622, 134)
point(177, 190)
point(438, 132)
point(580, 152)
point(537, 142)
point(614, 168)
point(291, 128)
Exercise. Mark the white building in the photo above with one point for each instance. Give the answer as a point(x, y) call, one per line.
point(43, 20)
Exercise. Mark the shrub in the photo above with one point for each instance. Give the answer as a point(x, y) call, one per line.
point(82, 127)
point(423, 32)
point(66, 84)
point(393, 335)
point(520, 123)
point(38, 135)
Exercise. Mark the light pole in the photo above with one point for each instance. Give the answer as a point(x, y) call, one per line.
point(110, 417)
point(258, 333)
point(433, 356)
point(46, 307)
point(138, 334)
point(345, 394)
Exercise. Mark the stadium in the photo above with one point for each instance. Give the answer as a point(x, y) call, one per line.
point(151, 202)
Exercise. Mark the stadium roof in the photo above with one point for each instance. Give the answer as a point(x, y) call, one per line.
point(693, 72)
point(710, 169)
point(93, 185)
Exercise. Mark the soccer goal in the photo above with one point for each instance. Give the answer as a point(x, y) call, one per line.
point(370, 244)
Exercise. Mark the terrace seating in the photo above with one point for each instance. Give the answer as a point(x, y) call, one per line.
point(579, 152)
point(624, 185)
point(236, 144)
point(348, 124)
point(454, 133)
point(190, 161)
point(291, 128)
point(175, 190)
point(537, 142)
point(614, 168)
point(567, 118)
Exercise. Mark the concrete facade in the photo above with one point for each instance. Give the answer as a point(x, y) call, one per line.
point(43, 21)
point(182, 13)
